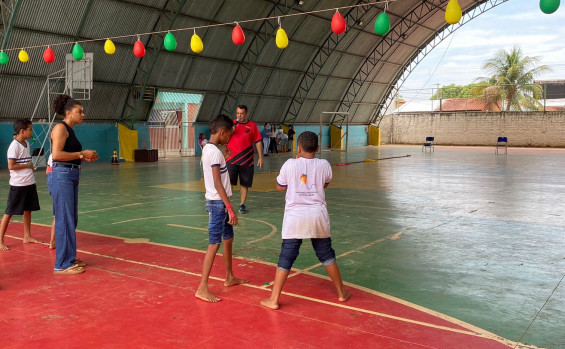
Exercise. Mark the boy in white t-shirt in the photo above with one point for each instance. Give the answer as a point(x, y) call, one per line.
point(305, 215)
point(222, 217)
point(22, 198)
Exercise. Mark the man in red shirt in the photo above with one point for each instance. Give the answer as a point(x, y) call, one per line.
point(241, 161)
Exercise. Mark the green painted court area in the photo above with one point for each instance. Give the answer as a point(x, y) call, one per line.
point(476, 236)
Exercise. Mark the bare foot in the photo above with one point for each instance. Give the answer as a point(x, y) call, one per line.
point(267, 302)
point(3, 247)
point(205, 295)
point(31, 240)
point(52, 245)
point(343, 296)
point(234, 281)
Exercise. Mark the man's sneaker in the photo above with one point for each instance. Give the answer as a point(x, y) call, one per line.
point(242, 209)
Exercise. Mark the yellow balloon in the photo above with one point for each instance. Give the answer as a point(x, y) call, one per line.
point(453, 12)
point(23, 56)
point(196, 44)
point(281, 39)
point(109, 47)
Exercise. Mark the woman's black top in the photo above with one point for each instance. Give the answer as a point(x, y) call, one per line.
point(72, 145)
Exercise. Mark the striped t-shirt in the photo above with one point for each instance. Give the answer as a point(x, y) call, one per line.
point(20, 153)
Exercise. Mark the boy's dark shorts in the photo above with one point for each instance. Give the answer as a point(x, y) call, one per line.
point(22, 199)
point(245, 174)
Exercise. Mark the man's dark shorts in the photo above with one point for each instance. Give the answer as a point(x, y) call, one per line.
point(244, 173)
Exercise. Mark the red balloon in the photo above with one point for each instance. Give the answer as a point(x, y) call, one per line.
point(48, 55)
point(138, 49)
point(237, 35)
point(338, 23)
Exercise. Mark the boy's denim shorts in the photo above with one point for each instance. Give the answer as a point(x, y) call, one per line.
point(218, 226)
point(291, 247)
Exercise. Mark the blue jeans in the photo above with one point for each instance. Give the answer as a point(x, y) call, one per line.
point(64, 190)
point(218, 226)
point(291, 247)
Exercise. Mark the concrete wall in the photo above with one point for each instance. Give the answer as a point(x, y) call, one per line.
point(536, 129)
point(101, 137)
point(357, 134)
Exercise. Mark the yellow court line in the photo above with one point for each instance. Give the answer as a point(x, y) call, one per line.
point(389, 237)
point(344, 306)
point(477, 332)
point(111, 208)
point(187, 227)
point(273, 228)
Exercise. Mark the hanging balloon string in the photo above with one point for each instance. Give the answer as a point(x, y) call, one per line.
point(278, 18)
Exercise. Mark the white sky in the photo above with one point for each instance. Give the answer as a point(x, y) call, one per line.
point(513, 23)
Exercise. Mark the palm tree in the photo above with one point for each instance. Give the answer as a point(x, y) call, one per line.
point(513, 75)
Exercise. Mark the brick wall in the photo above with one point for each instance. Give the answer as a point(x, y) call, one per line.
point(534, 129)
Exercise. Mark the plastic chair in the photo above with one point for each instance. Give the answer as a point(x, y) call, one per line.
point(502, 142)
point(428, 144)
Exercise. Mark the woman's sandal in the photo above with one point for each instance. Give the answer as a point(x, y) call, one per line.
point(80, 263)
point(70, 270)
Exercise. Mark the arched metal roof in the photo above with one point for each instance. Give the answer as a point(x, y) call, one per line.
point(354, 72)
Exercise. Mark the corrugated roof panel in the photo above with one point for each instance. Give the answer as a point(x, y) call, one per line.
point(170, 70)
point(296, 56)
point(119, 67)
point(313, 30)
point(35, 66)
point(281, 83)
point(332, 89)
point(109, 18)
point(269, 109)
point(208, 75)
point(19, 95)
point(106, 102)
point(210, 106)
point(63, 17)
point(232, 11)
point(149, 3)
point(347, 66)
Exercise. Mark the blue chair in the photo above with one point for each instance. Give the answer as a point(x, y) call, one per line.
point(428, 144)
point(501, 142)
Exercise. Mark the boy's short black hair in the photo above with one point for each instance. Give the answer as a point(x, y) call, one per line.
point(242, 106)
point(308, 141)
point(220, 122)
point(21, 124)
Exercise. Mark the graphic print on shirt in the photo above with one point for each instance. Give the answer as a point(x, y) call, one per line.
point(304, 179)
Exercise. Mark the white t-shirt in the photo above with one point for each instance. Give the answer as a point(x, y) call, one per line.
point(305, 212)
point(21, 154)
point(212, 156)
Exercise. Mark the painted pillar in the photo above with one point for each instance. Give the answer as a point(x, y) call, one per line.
point(184, 127)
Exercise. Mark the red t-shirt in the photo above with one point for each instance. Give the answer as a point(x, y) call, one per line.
point(241, 143)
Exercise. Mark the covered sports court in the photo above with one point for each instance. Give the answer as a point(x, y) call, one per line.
point(456, 248)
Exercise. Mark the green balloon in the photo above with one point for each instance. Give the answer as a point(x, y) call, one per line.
point(382, 24)
point(4, 58)
point(549, 6)
point(170, 42)
point(78, 52)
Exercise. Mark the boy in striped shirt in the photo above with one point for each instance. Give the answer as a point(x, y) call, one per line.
point(22, 198)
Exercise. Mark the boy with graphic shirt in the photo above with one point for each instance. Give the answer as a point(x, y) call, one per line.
point(305, 215)
point(22, 198)
point(222, 216)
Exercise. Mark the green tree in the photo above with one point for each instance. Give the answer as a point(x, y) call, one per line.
point(513, 75)
point(456, 91)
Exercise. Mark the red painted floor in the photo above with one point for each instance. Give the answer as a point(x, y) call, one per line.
point(142, 295)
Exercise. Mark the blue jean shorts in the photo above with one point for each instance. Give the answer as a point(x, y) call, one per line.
point(291, 247)
point(218, 226)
